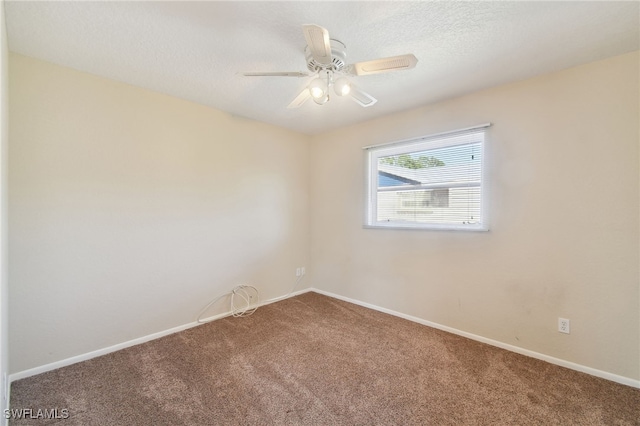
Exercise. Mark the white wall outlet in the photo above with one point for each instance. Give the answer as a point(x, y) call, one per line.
point(303, 271)
point(298, 272)
point(564, 326)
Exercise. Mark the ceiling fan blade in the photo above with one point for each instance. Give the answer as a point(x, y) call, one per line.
point(276, 74)
point(362, 98)
point(376, 66)
point(319, 43)
point(300, 99)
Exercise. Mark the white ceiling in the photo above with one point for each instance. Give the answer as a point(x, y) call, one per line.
point(196, 50)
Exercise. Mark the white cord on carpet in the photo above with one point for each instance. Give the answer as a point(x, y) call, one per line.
point(249, 300)
point(246, 293)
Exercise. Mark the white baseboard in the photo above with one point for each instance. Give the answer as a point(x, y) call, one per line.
point(557, 361)
point(83, 357)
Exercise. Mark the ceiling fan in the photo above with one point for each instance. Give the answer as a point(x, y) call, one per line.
point(326, 61)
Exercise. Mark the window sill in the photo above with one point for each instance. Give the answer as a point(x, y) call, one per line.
point(405, 227)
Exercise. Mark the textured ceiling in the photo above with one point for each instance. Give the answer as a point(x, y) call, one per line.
point(196, 50)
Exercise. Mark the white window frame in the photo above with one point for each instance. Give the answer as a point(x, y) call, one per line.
point(440, 140)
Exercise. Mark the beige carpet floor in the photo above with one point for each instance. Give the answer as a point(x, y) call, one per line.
point(315, 360)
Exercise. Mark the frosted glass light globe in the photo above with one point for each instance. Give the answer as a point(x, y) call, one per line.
point(318, 88)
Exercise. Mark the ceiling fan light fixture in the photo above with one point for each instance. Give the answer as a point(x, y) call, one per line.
point(318, 89)
point(342, 86)
point(326, 59)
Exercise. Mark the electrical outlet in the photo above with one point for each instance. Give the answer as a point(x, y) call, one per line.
point(302, 271)
point(298, 272)
point(564, 326)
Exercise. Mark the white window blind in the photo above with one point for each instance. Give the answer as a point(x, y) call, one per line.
point(434, 182)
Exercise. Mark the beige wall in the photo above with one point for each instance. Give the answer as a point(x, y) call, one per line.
point(129, 210)
point(564, 219)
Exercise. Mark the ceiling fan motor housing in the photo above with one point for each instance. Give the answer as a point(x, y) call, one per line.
point(338, 58)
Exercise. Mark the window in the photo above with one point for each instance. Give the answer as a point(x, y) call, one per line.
point(434, 182)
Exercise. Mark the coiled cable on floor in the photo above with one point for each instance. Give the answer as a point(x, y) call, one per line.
point(249, 299)
point(245, 299)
